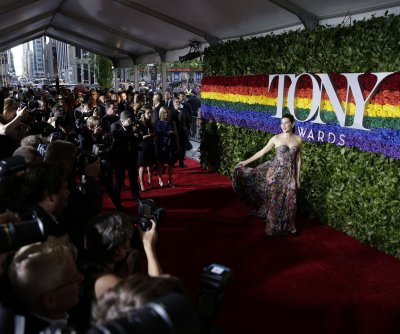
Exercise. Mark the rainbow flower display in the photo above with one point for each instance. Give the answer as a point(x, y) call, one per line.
point(245, 101)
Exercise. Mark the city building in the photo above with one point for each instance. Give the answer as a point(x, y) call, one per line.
point(58, 57)
point(7, 70)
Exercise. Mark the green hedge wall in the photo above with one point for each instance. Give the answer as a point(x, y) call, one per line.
point(366, 46)
point(352, 191)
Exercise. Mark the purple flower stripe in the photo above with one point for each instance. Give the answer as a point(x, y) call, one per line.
point(383, 141)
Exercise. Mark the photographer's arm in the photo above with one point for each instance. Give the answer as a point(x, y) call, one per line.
point(10, 127)
point(149, 239)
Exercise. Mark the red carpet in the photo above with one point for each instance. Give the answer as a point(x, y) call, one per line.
point(319, 282)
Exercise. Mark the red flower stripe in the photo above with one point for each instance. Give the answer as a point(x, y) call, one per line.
point(367, 81)
point(383, 97)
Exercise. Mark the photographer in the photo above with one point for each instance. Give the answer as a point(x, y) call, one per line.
point(95, 143)
point(132, 293)
point(81, 114)
point(110, 117)
point(12, 175)
point(65, 130)
point(85, 201)
point(109, 256)
point(143, 304)
point(44, 194)
point(94, 104)
point(108, 245)
point(36, 123)
point(125, 138)
point(46, 282)
point(91, 133)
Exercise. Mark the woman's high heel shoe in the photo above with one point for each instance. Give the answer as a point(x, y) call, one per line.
point(142, 188)
point(161, 183)
point(150, 184)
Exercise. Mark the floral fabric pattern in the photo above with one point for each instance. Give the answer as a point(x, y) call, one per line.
point(271, 189)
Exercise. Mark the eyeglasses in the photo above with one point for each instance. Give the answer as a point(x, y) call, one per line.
point(76, 280)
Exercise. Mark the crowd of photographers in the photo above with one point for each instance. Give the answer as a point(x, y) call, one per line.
point(60, 254)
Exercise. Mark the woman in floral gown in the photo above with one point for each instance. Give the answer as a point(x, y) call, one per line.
point(271, 187)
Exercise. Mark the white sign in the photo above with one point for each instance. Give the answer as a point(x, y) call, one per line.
point(319, 83)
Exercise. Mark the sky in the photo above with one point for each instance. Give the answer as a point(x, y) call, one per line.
point(17, 54)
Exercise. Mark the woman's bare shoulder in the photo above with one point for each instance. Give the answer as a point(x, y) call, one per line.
point(274, 138)
point(105, 282)
point(298, 139)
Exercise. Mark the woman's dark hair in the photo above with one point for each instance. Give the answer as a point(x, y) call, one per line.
point(290, 117)
point(105, 233)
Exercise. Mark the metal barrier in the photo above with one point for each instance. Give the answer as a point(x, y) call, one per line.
point(195, 129)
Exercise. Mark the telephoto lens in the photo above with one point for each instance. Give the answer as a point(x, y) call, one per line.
point(14, 236)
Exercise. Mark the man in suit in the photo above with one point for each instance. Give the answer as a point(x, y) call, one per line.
point(194, 102)
point(181, 117)
point(125, 138)
point(157, 104)
point(168, 100)
point(44, 194)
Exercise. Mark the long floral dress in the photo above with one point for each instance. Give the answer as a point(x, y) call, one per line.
point(270, 189)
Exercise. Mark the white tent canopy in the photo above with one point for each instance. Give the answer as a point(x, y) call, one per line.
point(152, 31)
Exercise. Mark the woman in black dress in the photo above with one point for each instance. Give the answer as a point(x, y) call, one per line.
point(167, 144)
point(147, 152)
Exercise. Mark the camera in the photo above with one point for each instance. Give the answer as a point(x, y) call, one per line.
point(100, 150)
point(212, 281)
point(30, 105)
point(58, 110)
point(10, 180)
point(33, 104)
point(83, 159)
point(14, 236)
point(11, 166)
point(42, 148)
point(148, 211)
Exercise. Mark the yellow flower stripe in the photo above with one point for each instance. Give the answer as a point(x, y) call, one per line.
point(372, 110)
